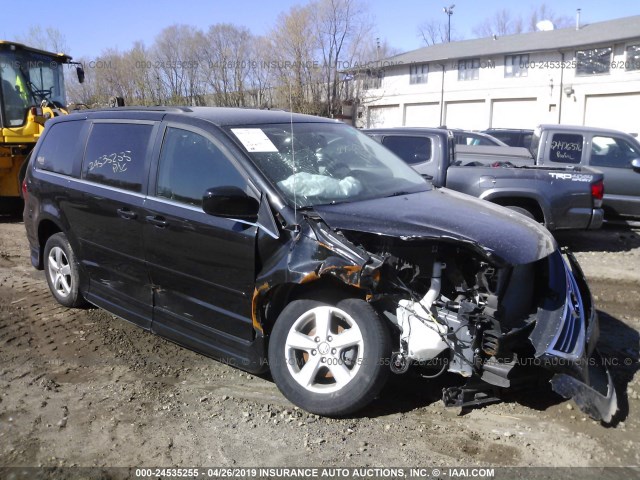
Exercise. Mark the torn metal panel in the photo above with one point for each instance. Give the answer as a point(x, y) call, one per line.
point(314, 251)
point(595, 396)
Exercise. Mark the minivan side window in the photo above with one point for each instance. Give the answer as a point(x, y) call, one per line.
point(116, 154)
point(190, 164)
point(566, 148)
point(59, 148)
point(612, 152)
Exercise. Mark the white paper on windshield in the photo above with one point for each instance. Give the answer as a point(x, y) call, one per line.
point(254, 140)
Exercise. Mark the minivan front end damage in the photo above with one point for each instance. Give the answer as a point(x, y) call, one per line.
point(458, 306)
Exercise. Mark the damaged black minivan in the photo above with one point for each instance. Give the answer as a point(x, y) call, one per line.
point(293, 243)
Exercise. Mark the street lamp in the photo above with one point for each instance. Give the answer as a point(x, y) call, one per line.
point(449, 12)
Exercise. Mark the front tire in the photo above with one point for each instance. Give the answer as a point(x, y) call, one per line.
point(329, 359)
point(62, 272)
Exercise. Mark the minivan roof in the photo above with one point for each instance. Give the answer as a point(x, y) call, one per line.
point(221, 116)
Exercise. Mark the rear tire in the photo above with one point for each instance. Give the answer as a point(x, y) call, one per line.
point(62, 272)
point(329, 359)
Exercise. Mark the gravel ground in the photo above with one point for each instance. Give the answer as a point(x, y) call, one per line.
point(83, 388)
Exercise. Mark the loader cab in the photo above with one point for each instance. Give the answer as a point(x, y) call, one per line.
point(29, 78)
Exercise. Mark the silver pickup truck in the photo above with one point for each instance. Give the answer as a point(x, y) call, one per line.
point(561, 197)
point(615, 154)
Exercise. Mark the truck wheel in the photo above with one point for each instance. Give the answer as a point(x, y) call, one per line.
point(329, 359)
point(62, 271)
point(521, 210)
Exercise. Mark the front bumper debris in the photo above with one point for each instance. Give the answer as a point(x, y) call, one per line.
point(597, 398)
point(566, 341)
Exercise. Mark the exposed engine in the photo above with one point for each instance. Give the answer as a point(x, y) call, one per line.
point(454, 311)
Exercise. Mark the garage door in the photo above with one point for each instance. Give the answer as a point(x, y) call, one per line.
point(422, 115)
point(619, 112)
point(520, 113)
point(384, 116)
point(466, 115)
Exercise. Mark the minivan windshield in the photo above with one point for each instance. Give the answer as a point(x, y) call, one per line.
point(326, 163)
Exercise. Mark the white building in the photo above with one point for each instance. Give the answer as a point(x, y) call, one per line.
point(589, 75)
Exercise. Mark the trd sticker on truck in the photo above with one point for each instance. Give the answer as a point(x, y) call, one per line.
point(574, 177)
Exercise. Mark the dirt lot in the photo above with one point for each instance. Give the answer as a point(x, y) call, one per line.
point(83, 388)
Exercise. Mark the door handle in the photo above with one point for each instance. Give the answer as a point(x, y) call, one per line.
point(157, 221)
point(126, 214)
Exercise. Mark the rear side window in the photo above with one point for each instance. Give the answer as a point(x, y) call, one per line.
point(412, 150)
point(59, 148)
point(116, 155)
point(566, 148)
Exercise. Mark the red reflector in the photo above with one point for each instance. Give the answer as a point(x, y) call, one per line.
point(24, 189)
point(597, 190)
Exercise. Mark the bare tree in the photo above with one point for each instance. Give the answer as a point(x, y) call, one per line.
point(262, 78)
point(294, 59)
point(226, 56)
point(502, 23)
point(82, 93)
point(338, 23)
point(433, 32)
point(176, 64)
point(50, 39)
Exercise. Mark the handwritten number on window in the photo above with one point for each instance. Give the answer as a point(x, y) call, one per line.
point(117, 161)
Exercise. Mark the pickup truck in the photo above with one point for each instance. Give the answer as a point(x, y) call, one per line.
point(614, 153)
point(560, 197)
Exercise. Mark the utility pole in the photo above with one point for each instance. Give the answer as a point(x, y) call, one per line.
point(449, 12)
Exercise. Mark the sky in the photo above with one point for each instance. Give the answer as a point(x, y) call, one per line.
point(91, 27)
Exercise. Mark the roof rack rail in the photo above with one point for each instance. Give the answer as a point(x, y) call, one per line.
point(155, 108)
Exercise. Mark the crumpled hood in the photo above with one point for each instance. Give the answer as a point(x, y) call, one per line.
point(442, 213)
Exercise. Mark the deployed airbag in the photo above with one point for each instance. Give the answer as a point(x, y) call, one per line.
point(313, 185)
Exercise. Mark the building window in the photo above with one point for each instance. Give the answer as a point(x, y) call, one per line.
point(418, 73)
point(633, 58)
point(516, 66)
point(594, 61)
point(469, 69)
point(372, 79)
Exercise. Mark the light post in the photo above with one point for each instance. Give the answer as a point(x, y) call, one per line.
point(449, 12)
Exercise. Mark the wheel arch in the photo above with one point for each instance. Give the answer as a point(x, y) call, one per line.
point(531, 204)
point(277, 298)
point(46, 228)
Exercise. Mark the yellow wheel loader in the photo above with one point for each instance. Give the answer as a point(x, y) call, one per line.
point(31, 91)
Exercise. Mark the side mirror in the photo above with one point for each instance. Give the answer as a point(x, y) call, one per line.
point(635, 164)
point(80, 73)
point(230, 202)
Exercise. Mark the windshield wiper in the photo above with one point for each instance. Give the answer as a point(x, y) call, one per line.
point(398, 194)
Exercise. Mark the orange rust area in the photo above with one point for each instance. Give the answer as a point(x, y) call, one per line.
point(310, 277)
point(347, 273)
point(254, 306)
